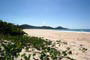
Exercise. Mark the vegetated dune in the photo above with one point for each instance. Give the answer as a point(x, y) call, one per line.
point(79, 42)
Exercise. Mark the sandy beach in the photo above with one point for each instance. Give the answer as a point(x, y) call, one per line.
point(75, 40)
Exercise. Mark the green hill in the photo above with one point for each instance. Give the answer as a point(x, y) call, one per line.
point(9, 28)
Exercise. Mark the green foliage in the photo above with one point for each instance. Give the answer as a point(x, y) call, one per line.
point(9, 28)
point(14, 44)
point(13, 40)
point(25, 57)
point(44, 56)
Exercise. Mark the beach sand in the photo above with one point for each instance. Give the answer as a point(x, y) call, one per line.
point(76, 40)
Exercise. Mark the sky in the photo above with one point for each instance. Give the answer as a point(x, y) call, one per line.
point(74, 14)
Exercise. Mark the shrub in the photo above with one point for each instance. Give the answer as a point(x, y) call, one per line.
point(10, 29)
point(13, 41)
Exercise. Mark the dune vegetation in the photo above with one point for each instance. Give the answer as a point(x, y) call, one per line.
point(15, 44)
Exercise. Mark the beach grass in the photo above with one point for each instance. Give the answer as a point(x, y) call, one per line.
point(13, 40)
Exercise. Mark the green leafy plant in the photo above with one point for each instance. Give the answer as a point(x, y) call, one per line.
point(9, 28)
point(13, 41)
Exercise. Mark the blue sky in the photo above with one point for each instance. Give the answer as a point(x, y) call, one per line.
point(66, 13)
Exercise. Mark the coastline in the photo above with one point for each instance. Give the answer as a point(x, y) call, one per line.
point(58, 35)
point(75, 40)
point(60, 30)
point(73, 31)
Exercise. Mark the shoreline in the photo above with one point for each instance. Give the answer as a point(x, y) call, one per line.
point(60, 30)
point(75, 40)
point(57, 34)
point(74, 31)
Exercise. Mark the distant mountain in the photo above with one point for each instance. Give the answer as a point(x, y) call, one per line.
point(46, 27)
point(26, 26)
point(60, 27)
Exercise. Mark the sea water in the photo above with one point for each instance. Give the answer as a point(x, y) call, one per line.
point(76, 30)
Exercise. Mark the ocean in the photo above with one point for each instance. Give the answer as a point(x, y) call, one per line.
point(76, 30)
